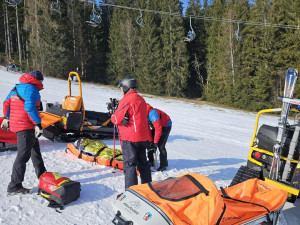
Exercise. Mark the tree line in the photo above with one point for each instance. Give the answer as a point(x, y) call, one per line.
point(229, 62)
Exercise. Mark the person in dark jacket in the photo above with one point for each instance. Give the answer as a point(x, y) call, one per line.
point(21, 116)
point(131, 119)
point(160, 124)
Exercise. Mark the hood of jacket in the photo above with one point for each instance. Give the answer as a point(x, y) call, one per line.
point(29, 79)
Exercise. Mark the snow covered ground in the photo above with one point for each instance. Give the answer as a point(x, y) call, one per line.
point(204, 139)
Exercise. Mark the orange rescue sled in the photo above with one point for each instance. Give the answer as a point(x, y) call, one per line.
point(194, 199)
point(79, 152)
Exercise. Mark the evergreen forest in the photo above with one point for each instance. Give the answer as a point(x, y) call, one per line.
point(238, 57)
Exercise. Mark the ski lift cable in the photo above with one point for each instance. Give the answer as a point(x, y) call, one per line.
point(191, 25)
point(246, 22)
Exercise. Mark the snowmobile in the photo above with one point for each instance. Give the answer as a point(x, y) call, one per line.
point(261, 154)
point(73, 121)
point(194, 199)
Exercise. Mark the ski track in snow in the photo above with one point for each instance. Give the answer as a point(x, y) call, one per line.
point(204, 139)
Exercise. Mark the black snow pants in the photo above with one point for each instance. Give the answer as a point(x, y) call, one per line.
point(134, 157)
point(28, 147)
point(161, 147)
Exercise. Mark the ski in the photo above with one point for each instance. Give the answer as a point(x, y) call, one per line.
point(290, 82)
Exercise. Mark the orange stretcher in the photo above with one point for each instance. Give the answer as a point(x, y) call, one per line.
point(71, 148)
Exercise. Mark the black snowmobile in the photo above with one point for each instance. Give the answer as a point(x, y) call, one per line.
point(70, 120)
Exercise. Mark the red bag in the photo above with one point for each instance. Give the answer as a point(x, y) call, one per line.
point(57, 189)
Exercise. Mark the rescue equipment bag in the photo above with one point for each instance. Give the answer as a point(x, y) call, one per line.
point(57, 189)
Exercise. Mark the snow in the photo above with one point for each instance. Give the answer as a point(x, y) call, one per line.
point(204, 139)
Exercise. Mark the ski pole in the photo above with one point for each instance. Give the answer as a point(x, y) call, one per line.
point(114, 149)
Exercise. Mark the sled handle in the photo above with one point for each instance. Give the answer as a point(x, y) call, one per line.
point(257, 120)
point(45, 195)
point(71, 74)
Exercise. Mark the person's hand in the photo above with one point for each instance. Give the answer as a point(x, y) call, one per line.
point(38, 130)
point(5, 124)
point(125, 120)
point(152, 145)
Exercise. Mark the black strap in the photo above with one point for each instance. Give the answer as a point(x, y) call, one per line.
point(222, 214)
point(198, 184)
point(80, 154)
point(224, 193)
point(98, 153)
point(19, 96)
point(55, 205)
point(112, 159)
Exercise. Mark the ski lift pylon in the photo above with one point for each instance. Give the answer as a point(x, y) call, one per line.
point(139, 20)
point(191, 34)
point(238, 38)
point(55, 6)
point(13, 3)
point(95, 18)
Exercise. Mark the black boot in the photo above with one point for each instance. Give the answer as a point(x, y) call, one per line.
point(161, 168)
point(21, 190)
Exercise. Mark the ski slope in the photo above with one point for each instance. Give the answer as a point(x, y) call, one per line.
point(204, 139)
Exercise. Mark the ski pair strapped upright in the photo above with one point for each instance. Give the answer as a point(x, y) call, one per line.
point(290, 82)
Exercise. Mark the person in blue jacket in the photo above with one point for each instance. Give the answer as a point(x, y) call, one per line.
point(21, 116)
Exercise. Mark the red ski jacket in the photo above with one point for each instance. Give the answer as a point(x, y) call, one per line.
point(137, 129)
point(159, 119)
point(23, 115)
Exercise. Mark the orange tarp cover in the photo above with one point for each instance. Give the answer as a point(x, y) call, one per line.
point(48, 119)
point(254, 191)
point(182, 201)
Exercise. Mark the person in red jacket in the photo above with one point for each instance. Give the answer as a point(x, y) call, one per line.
point(21, 116)
point(131, 119)
point(160, 125)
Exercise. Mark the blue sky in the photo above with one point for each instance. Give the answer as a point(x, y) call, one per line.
point(184, 4)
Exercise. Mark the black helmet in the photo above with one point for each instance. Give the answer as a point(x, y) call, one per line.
point(128, 83)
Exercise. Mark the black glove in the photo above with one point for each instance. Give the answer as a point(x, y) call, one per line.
point(125, 120)
point(38, 130)
point(152, 145)
point(5, 124)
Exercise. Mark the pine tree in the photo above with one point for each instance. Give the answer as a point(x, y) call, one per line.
point(174, 52)
point(214, 90)
point(285, 42)
point(46, 49)
point(256, 59)
point(150, 71)
point(123, 44)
